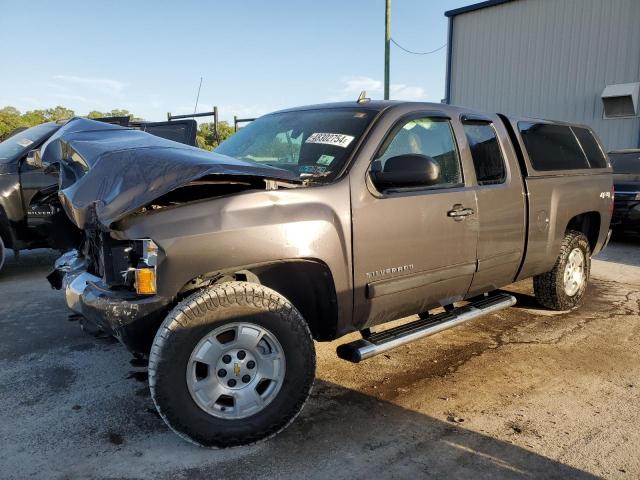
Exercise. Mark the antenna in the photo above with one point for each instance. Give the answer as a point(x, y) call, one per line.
point(198, 96)
point(363, 97)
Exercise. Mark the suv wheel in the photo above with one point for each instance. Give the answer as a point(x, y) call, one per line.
point(564, 286)
point(231, 365)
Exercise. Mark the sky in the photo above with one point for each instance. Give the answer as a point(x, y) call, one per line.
point(253, 56)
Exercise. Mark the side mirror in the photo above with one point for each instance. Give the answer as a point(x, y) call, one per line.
point(33, 159)
point(404, 171)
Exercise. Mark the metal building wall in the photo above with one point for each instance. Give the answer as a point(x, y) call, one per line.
point(548, 59)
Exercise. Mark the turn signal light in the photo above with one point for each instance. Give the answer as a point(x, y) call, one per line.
point(146, 281)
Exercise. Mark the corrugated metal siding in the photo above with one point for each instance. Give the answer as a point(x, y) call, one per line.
point(549, 59)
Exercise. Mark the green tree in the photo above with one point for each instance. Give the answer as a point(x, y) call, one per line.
point(96, 114)
point(206, 137)
point(9, 120)
point(34, 117)
point(58, 113)
point(116, 112)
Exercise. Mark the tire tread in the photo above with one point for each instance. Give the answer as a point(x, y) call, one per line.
point(220, 296)
point(548, 287)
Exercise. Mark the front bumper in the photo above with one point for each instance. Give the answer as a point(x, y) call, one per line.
point(131, 318)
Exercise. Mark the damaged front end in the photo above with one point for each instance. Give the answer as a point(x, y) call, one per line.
point(111, 172)
point(108, 173)
point(101, 284)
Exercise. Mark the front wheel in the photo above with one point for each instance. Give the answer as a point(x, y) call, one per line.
point(231, 365)
point(563, 287)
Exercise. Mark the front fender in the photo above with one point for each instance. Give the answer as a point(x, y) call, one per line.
point(251, 228)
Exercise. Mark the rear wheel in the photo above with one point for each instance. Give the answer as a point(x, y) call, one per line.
point(231, 365)
point(563, 287)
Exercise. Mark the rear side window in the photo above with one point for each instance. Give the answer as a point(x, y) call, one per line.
point(485, 151)
point(591, 148)
point(552, 147)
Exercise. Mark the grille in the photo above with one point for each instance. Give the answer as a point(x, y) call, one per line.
point(108, 258)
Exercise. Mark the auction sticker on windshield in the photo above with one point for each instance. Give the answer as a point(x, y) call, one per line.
point(336, 139)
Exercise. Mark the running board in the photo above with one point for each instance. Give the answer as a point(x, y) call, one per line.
point(376, 343)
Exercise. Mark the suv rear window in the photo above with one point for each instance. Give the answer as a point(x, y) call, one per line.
point(552, 147)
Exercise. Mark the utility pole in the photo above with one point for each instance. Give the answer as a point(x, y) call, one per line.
point(387, 45)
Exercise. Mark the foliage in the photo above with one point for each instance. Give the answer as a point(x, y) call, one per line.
point(11, 118)
point(206, 137)
point(113, 113)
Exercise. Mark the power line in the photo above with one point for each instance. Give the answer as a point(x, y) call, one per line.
point(417, 53)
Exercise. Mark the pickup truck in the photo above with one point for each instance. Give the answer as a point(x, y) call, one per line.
point(312, 223)
point(30, 213)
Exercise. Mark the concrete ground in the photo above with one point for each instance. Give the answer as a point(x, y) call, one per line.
point(522, 393)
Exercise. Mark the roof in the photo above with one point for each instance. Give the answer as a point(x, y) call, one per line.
point(369, 105)
point(474, 7)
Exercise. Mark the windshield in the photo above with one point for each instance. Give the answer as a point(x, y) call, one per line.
point(309, 143)
point(22, 142)
point(628, 162)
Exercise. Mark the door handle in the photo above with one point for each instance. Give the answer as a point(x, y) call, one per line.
point(458, 212)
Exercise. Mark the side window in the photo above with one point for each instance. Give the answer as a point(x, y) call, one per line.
point(485, 151)
point(431, 137)
point(552, 147)
point(591, 148)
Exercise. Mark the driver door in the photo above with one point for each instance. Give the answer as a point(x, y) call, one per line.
point(412, 248)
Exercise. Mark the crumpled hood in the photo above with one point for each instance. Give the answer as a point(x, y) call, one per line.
point(114, 171)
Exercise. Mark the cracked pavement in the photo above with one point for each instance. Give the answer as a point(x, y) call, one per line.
point(522, 393)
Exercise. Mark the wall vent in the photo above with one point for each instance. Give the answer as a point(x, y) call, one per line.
point(621, 100)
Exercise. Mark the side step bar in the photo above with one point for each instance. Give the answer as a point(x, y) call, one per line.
point(376, 343)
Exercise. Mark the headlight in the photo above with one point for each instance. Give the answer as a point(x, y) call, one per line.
point(149, 252)
point(145, 271)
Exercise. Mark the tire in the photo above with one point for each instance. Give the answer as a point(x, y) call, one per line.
point(236, 307)
point(552, 290)
point(3, 252)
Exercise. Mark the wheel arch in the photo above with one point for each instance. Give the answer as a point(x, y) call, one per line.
point(307, 283)
point(5, 230)
point(587, 223)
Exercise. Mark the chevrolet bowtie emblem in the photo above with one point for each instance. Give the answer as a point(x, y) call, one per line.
point(236, 369)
